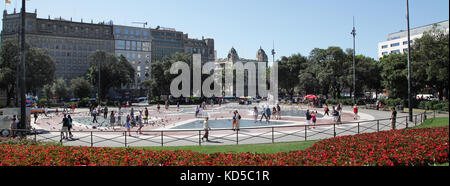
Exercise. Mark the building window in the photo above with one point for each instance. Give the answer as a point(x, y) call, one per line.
point(120, 44)
point(117, 30)
point(384, 46)
point(395, 52)
point(395, 44)
point(406, 42)
point(139, 46)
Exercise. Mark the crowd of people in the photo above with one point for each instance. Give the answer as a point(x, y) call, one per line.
point(141, 117)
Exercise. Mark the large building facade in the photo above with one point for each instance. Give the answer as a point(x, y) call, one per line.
point(135, 44)
point(68, 43)
point(166, 42)
point(398, 42)
point(231, 59)
point(205, 47)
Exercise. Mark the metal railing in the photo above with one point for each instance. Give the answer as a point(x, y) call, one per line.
point(254, 135)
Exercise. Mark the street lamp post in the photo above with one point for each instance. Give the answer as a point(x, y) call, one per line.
point(23, 115)
point(354, 62)
point(410, 109)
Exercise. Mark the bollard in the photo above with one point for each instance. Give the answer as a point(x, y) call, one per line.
point(273, 141)
point(199, 138)
point(415, 122)
point(92, 140)
point(378, 125)
point(162, 139)
point(35, 140)
point(334, 129)
point(358, 127)
point(237, 137)
point(125, 134)
point(306, 132)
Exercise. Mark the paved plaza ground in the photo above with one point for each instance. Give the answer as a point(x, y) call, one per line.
point(160, 128)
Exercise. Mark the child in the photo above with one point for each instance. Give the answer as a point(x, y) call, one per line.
point(355, 111)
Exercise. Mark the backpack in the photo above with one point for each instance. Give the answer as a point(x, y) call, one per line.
point(239, 117)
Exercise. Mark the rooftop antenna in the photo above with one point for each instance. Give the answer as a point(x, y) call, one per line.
point(142, 23)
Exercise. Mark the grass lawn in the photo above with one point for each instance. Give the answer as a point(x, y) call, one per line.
point(259, 148)
point(434, 122)
point(276, 147)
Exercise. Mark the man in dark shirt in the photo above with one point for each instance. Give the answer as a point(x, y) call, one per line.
point(393, 117)
point(65, 128)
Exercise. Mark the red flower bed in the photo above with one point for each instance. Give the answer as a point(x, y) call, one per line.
point(415, 147)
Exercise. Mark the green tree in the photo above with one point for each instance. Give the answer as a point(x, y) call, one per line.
point(430, 61)
point(289, 68)
point(40, 69)
point(334, 70)
point(394, 75)
point(81, 88)
point(60, 89)
point(47, 91)
point(114, 72)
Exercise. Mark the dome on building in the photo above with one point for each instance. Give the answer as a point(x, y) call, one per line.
point(261, 55)
point(233, 54)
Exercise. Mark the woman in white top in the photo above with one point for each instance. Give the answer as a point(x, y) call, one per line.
point(206, 128)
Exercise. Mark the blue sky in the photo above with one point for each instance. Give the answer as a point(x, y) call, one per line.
point(296, 26)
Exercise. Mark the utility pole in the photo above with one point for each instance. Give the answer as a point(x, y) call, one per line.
point(410, 109)
point(23, 114)
point(99, 76)
point(273, 52)
point(354, 62)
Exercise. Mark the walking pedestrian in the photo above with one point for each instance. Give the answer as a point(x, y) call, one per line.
point(13, 126)
point(105, 112)
point(178, 106)
point(119, 117)
point(128, 125)
point(94, 114)
point(146, 115)
point(238, 120)
point(393, 118)
point(35, 117)
point(255, 113)
point(233, 124)
point(268, 113)
point(65, 128)
point(335, 114)
point(326, 110)
point(139, 123)
point(279, 111)
point(73, 107)
point(355, 112)
point(45, 110)
point(313, 117)
point(112, 119)
point(207, 129)
point(158, 107)
point(70, 126)
point(133, 121)
point(274, 110)
point(197, 110)
point(263, 114)
point(308, 117)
